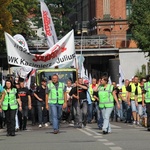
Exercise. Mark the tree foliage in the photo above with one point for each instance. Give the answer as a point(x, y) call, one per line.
point(14, 16)
point(60, 11)
point(5, 21)
point(22, 11)
point(140, 24)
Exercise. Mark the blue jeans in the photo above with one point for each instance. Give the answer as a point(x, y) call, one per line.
point(119, 112)
point(56, 112)
point(99, 117)
point(83, 114)
point(90, 112)
point(106, 112)
point(76, 112)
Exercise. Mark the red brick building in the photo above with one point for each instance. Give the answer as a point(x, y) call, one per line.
point(107, 17)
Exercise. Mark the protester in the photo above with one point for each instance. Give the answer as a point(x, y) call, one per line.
point(67, 115)
point(146, 100)
point(33, 103)
point(55, 101)
point(124, 97)
point(1, 111)
point(80, 93)
point(17, 86)
point(9, 102)
point(107, 96)
point(25, 98)
point(132, 101)
point(40, 95)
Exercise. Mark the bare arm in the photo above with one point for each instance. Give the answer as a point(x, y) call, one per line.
point(116, 99)
point(143, 99)
point(82, 86)
point(46, 101)
point(38, 98)
point(29, 101)
point(3, 96)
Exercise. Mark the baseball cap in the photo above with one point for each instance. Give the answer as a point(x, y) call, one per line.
point(86, 82)
point(44, 80)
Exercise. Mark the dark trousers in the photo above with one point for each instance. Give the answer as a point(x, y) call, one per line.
point(22, 117)
point(148, 114)
point(10, 120)
point(34, 114)
point(42, 114)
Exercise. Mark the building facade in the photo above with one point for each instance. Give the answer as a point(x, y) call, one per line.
point(106, 17)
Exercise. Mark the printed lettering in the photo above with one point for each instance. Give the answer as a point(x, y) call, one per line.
point(13, 59)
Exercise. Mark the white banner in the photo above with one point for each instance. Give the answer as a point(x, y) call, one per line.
point(18, 55)
point(66, 58)
point(48, 25)
point(21, 40)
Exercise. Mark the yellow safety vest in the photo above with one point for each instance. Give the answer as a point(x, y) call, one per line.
point(106, 97)
point(124, 92)
point(91, 92)
point(56, 95)
point(133, 88)
point(139, 96)
point(10, 99)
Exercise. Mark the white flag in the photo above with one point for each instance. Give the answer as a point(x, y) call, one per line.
point(121, 77)
point(48, 25)
point(66, 58)
point(22, 41)
point(17, 54)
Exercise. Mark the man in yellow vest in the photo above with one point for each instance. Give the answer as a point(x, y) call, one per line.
point(146, 100)
point(124, 97)
point(131, 98)
point(55, 101)
point(94, 102)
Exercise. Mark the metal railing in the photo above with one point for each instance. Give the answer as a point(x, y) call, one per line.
point(87, 42)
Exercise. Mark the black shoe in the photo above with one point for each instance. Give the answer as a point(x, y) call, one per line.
point(100, 128)
point(56, 131)
point(8, 134)
point(148, 129)
point(24, 128)
point(16, 130)
point(13, 134)
point(105, 132)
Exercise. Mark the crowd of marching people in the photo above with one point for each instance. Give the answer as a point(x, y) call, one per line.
point(79, 103)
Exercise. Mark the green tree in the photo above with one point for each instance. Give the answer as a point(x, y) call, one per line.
point(139, 23)
point(5, 22)
point(22, 11)
point(14, 18)
point(60, 11)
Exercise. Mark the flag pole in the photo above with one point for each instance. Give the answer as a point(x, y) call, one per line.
point(77, 76)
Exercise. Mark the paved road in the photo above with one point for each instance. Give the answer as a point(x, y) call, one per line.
point(123, 137)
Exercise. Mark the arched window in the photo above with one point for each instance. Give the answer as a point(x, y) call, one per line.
point(107, 32)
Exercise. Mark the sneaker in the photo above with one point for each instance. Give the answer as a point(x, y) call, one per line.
point(105, 132)
point(134, 122)
point(46, 125)
point(40, 126)
point(56, 131)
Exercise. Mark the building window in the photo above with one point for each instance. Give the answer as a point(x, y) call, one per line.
point(128, 8)
point(106, 9)
point(128, 34)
